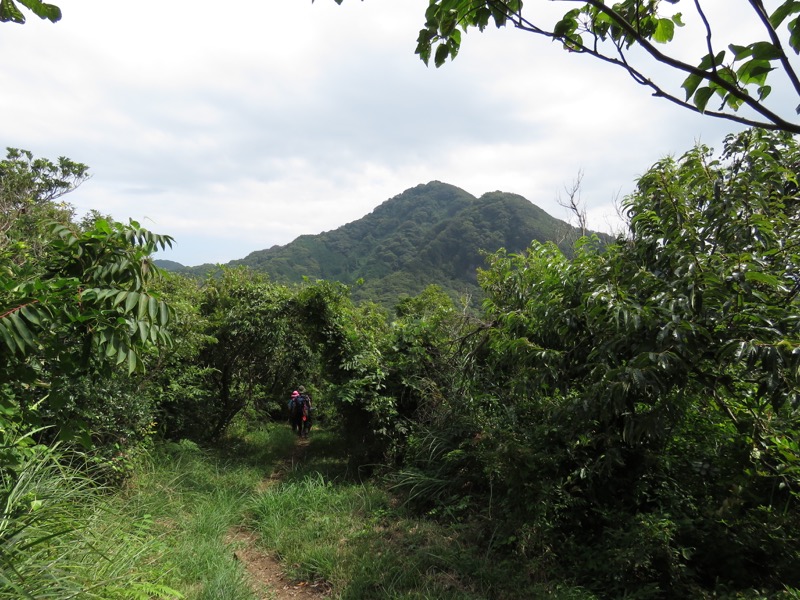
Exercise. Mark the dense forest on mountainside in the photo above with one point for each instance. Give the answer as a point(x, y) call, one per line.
point(619, 421)
point(434, 233)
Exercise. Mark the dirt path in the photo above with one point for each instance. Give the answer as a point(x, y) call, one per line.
point(267, 579)
point(266, 575)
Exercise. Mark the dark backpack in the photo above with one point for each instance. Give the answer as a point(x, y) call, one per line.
point(302, 405)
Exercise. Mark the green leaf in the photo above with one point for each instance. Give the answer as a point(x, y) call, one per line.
point(42, 10)
point(19, 343)
point(448, 24)
point(102, 226)
point(709, 61)
point(143, 304)
point(481, 17)
point(499, 15)
point(690, 84)
point(31, 314)
point(131, 301)
point(726, 74)
point(765, 51)
point(442, 52)
point(794, 36)
point(760, 277)
point(754, 71)
point(665, 31)
point(424, 45)
point(783, 11)
point(22, 329)
point(514, 6)
point(111, 347)
point(432, 12)
point(163, 313)
point(567, 25)
point(122, 351)
point(455, 42)
point(701, 98)
point(740, 52)
point(152, 309)
point(119, 298)
point(132, 361)
point(5, 330)
point(10, 12)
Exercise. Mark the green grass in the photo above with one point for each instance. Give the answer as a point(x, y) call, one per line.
point(166, 530)
point(329, 525)
point(318, 516)
point(61, 537)
point(196, 496)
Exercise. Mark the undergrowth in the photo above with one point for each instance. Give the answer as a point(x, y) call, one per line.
point(62, 536)
point(164, 534)
point(327, 523)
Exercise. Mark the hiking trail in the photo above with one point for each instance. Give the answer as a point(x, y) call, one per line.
point(265, 572)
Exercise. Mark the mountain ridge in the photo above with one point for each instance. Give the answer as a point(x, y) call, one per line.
point(430, 233)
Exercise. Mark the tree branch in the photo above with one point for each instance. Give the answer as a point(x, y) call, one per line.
point(775, 123)
point(706, 24)
point(773, 36)
point(772, 120)
point(712, 76)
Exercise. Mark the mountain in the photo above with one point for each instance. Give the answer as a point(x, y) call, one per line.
point(432, 233)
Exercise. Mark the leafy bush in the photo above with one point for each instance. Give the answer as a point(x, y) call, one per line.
point(624, 418)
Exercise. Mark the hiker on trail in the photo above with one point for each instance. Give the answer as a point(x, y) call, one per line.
point(292, 410)
point(303, 410)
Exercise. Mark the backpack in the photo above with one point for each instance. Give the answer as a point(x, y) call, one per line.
point(302, 405)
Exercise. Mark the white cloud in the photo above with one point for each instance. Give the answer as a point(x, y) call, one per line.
point(234, 127)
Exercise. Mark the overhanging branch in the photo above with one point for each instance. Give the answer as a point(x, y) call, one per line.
point(771, 120)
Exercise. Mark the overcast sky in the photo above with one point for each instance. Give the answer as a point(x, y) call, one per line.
point(237, 126)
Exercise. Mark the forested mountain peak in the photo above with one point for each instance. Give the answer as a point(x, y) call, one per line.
point(431, 233)
point(434, 195)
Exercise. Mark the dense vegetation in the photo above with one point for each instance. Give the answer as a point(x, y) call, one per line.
point(432, 233)
point(619, 422)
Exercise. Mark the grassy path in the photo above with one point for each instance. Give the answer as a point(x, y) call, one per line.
point(265, 573)
point(270, 517)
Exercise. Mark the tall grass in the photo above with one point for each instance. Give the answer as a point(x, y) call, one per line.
point(60, 538)
point(194, 499)
point(195, 496)
point(347, 533)
point(326, 524)
point(164, 535)
point(64, 536)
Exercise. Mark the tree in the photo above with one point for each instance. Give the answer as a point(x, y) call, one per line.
point(76, 307)
point(347, 341)
point(9, 11)
point(88, 300)
point(29, 188)
point(252, 356)
point(739, 75)
point(632, 413)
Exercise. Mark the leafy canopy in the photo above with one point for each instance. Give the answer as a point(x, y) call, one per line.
point(71, 294)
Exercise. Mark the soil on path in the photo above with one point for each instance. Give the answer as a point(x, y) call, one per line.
point(267, 578)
